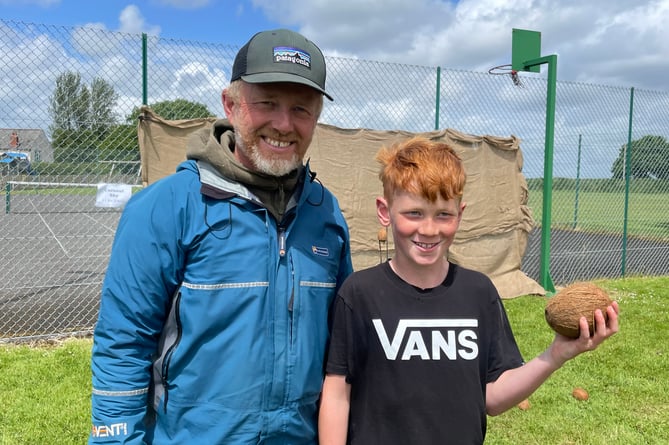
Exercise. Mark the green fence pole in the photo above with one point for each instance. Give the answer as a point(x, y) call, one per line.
point(578, 181)
point(8, 192)
point(544, 273)
point(628, 174)
point(436, 114)
point(145, 81)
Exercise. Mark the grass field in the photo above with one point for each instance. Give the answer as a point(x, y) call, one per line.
point(605, 212)
point(45, 389)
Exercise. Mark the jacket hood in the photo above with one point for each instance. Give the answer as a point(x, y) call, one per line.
point(216, 146)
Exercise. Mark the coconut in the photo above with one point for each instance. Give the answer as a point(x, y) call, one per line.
point(565, 309)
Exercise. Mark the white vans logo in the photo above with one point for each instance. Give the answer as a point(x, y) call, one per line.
point(452, 338)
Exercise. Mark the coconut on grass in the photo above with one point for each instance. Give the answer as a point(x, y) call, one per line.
point(565, 309)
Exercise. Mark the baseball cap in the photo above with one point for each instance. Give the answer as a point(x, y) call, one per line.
point(281, 55)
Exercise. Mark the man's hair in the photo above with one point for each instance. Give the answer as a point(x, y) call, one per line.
point(234, 92)
point(422, 167)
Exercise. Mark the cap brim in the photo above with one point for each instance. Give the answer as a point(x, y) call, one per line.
point(283, 77)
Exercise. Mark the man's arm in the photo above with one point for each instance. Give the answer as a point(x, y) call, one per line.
point(334, 410)
point(135, 299)
point(515, 385)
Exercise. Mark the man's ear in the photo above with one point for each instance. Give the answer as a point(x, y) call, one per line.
point(227, 105)
point(383, 211)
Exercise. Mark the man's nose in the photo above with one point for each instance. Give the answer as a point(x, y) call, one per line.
point(282, 120)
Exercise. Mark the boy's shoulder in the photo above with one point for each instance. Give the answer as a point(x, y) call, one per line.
point(367, 274)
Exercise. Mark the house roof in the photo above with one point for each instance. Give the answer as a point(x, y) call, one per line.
point(29, 138)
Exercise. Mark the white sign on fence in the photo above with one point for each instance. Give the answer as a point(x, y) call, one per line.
point(113, 195)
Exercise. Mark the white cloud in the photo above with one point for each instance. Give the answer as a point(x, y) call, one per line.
point(625, 42)
point(132, 21)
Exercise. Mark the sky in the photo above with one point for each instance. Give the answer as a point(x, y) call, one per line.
point(607, 42)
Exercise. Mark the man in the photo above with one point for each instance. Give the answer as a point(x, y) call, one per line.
point(213, 317)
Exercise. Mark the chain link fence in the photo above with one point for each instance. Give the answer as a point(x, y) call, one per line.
point(70, 97)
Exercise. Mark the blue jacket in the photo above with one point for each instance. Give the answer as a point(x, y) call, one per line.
point(213, 317)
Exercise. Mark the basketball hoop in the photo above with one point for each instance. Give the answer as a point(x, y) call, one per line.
point(507, 70)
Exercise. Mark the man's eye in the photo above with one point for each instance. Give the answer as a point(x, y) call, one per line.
point(263, 104)
point(303, 111)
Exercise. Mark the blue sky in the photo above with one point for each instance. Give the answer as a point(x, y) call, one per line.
point(200, 20)
point(610, 42)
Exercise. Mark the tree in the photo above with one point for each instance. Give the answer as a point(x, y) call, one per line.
point(75, 106)
point(69, 104)
point(649, 159)
point(174, 110)
point(81, 116)
point(103, 99)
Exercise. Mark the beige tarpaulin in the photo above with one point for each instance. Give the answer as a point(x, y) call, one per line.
point(496, 223)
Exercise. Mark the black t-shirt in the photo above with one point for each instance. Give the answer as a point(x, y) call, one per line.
point(419, 360)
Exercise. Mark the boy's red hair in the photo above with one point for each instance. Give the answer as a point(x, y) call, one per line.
point(422, 167)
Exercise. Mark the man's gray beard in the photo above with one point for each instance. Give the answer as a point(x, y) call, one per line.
point(272, 167)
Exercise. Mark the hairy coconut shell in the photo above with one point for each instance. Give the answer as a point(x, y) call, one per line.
point(565, 309)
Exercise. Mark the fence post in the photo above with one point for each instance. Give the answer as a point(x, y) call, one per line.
point(436, 114)
point(8, 191)
point(578, 181)
point(628, 174)
point(145, 81)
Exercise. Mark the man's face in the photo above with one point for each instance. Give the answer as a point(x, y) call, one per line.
point(274, 124)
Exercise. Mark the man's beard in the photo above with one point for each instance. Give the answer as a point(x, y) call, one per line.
point(262, 163)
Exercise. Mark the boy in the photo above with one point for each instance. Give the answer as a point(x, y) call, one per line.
point(421, 349)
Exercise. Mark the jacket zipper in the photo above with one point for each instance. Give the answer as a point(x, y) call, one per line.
point(170, 352)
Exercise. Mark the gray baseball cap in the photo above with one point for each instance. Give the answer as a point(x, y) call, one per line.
point(281, 55)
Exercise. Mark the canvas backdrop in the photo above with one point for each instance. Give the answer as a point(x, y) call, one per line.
point(496, 223)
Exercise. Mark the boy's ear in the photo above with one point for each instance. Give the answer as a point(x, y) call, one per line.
point(382, 211)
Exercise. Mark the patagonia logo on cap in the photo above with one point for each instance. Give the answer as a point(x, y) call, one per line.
point(286, 54)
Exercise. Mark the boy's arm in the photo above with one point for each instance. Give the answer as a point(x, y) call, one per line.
point(515, 385)
point(334, 410)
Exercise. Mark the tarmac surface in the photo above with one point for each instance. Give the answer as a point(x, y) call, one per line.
point(54, 255)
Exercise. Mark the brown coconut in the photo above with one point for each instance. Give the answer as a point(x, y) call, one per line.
point(564, 309)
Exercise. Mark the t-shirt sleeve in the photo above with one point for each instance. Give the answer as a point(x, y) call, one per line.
point(504, 352)
point(337, 361)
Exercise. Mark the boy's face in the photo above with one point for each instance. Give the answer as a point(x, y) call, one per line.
point(422, 230)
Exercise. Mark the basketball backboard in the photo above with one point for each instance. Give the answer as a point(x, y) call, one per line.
point(525, 46)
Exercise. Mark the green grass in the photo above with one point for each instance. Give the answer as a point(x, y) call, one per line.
point(45, 389)
point(45, 393)
point(603, 212)
point(626, 378)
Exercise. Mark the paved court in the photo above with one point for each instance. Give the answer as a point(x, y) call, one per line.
point(55, 251)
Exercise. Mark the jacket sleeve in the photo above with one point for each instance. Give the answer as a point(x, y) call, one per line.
point(144, 270)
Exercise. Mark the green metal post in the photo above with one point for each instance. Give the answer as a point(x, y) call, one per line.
point(578, 182)
point(436, 114)
point(8, 192)
point(545, 278)
point(628, 175)
point(145, 81)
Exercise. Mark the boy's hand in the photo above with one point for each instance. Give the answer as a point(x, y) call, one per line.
point(565, 348)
